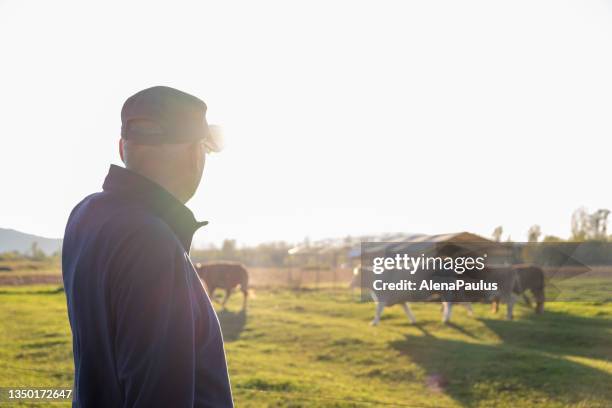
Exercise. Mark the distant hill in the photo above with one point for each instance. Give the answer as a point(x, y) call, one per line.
point(11, 240)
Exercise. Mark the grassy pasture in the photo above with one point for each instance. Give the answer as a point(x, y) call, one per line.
point(315, 348)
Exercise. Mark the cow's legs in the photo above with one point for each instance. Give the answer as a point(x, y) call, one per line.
point(245, 294)
point(446, 313)
point(526, 299)
point(408, 312)
point(228, 292)
point(509, 310)
point(540, 298)
point(468, 307)
point(211, 294)
point(495, 305)
point(380, 306)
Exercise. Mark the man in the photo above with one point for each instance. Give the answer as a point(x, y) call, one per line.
point(144, 331)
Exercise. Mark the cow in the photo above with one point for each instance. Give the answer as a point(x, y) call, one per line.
point(224, 275)
point(504, 277)
point(364, 277)
point(529, 277)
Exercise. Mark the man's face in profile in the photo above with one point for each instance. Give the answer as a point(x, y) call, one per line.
point(197, 169)
point(177, 167)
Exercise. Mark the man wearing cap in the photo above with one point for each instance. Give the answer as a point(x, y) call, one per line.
point(144, 331)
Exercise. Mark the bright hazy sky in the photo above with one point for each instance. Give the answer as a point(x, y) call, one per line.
point(340, 117)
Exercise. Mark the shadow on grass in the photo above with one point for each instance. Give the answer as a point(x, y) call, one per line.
point(557, 333)
point(530, 364)
point(232, 323)
point(461, 330)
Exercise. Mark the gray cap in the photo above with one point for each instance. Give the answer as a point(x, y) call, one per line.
point(164, 115)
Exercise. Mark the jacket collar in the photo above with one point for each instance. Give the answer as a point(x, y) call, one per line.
point(155, 198)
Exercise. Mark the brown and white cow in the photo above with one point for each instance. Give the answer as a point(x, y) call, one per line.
point(224, 275)
point(364, 277)
point(505, 278)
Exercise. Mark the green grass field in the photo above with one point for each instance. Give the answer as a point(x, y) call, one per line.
point(316, 348)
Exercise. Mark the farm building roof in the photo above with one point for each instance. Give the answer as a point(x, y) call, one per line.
point(421, 238)
point(403, 240)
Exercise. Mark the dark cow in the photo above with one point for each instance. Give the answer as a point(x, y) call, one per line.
point(529, 278)
point(506, 279)
point(224, 275)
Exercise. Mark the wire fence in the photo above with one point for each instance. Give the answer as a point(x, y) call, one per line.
point(286, 277)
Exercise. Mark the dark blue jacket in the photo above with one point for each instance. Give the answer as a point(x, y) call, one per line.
point(144, 331)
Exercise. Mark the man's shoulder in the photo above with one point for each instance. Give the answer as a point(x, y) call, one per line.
point(110, 216)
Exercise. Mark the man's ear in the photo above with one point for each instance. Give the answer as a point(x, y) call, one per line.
point(121, 148)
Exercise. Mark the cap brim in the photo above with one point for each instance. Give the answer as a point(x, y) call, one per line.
point(214, 139)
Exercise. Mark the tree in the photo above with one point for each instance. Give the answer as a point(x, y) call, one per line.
point(534, 233)
point(228, 249)
point(580, 224)
point(497, 233)
point(599, 223)
point(552, 238)
point(587, 226)
point(36, 253)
